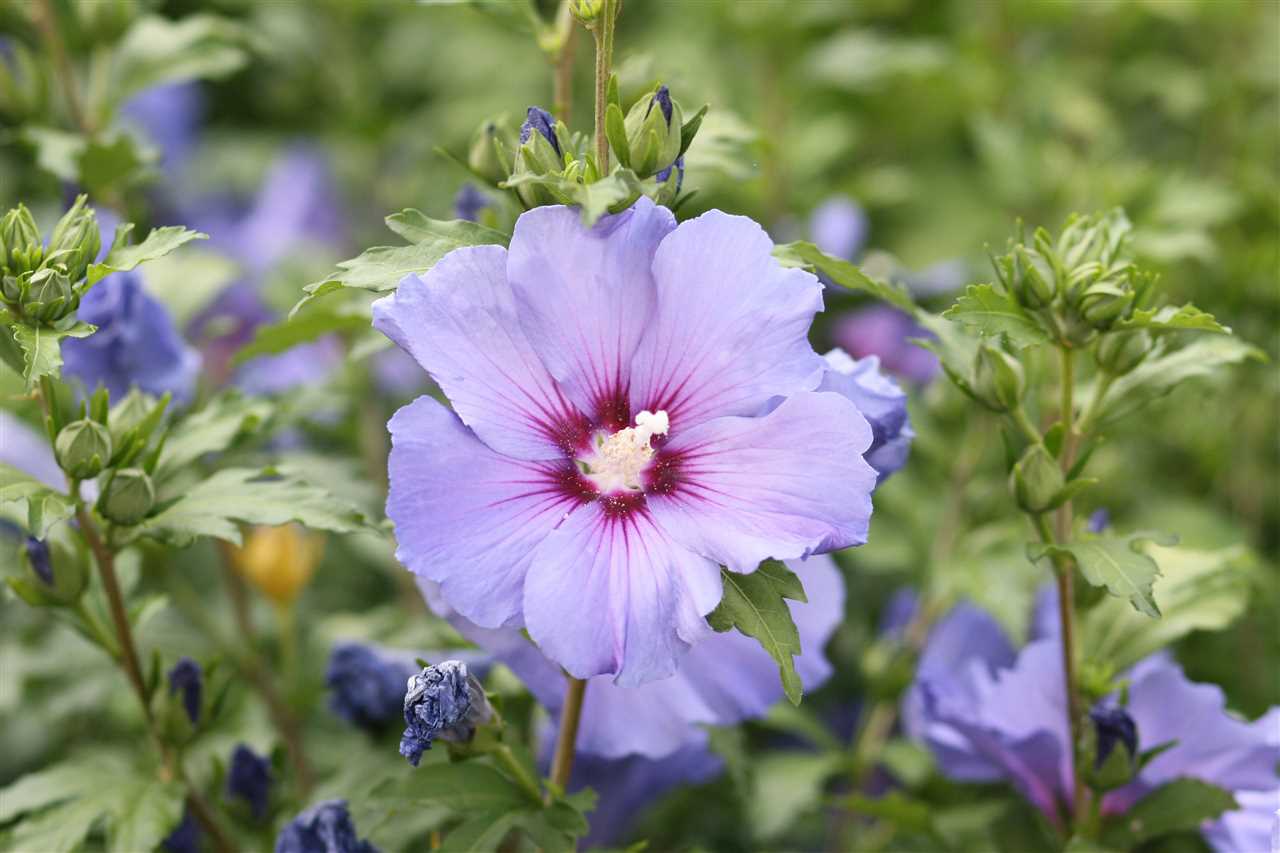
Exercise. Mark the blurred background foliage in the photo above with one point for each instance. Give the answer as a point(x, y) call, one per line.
point(946, 122)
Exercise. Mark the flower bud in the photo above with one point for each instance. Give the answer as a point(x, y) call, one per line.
point(49, 295)
point(24, 250)
point(653, 132)
point(998, 379)
point(1036, 480)
point(1036, 281)
point(128, 497)
point(1112, 728)
point(55, 575)
point(1120, 352)
point(12, 287)
point(586, 11)
point(105, 21)
point(279, 561)
point(445, 702)
point(83, 447)
point(186, 683)
point(1105, 302)
point(539, 153)
point(76, 240)
point(669, 181)
point(249, 780)
point(490, 152)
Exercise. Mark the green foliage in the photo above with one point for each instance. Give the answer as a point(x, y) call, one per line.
point(214, 427)
point(1178, 805)
point(756, 604)
point(985, 311)
point(44, 507)
point(124, 257)
point(843, 273)
point(157, 50)
point(596, 198)
point(787, 784)
point(42, 346)
point(1168, 367)
point(1119, 563)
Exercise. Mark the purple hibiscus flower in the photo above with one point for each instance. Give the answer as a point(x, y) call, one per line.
point(136, 344)
point(881, 402)
point(990, 713)
point(839, 227)
point(884, 331)
point(615, 437)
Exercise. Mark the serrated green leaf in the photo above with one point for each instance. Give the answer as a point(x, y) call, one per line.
point(1178, 805)
point(106, 162)
point(160, 242)
point(1165, 369)
point(158, 50)
point(1197, 591)
point(214, 427)
point(756, 605)
point(215, 507)
point(416, 227)
point(988, 312)
point(42, 348)
point(1119, 563)
point(1172, 318)
point(956, 351)
point(843, 273)
point(57, 151)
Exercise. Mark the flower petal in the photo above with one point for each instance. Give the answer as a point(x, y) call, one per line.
point(585, 296)
point(731, 326)
point(784, 485)
point(459, 322)
point(465, 516)
point(613, 594)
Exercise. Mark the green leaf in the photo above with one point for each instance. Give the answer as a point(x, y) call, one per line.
point(904, 812)
point(615, 129)
point(611, 194)
point(1197, 591)
point(416, 227)
point(1170, 318)
point(956, 351)
point(1178, 805)
point(250, 496)
point(214, 427)
point(989, 312)
point(1119, 563)
point(57, 151)
point(786, 786)
point(42, 347)
point(756, 605)
point(1165, 369)
point(160, 242)
point(843, 273)
point(158, 50)
point(105, 163)
point(300, 329)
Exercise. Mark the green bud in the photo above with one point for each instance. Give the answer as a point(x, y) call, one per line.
point(998, 379)
point(1036, 480)
point(128, 497)
point(1036, 281)
point(105, 21)
point(1104, 302)
point(49, 295)
point(1120, 352)
point(12, 287)
point(586, 11)
point(24, 250)
point(540, 152)
point(490, 153)
point(52, 576)
point(76, 240)
point(653, 132)
point(83, 448)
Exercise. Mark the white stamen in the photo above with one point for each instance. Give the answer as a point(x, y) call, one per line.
point(621, 458)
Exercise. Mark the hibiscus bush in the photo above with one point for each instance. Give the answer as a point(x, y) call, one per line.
point(525, 425)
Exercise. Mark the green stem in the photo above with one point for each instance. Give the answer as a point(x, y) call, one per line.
point(1085, 424)
point(562, 64)
point(1024, 424)
point(521, 773)
point(603, 32)
point(94, 627)
point(567, 737)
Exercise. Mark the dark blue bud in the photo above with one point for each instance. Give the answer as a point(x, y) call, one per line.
point(187, 677)
point(441, 701)
point(542, 121)
point(323, 828)
point(1113, 725)
point(662, 98)
point(468, 203)
point(185, 837)
point(249, 778)
point(367, 688)
point(1099, 521)
point(678, 165)
point(38, 556)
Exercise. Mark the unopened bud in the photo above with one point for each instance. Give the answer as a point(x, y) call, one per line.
point(279, 561)
point(128, 497)
point(49, 295)
point(998, 379)
point(21, 239)
point(1115, 746)
point(55, 575)
point(1036, 281)
point(539, 153)
point(653, 132)
point(1036, 480)
point(491, 151)
point(1120, 352)
point(83, 447)
point(1105, 302)
point(586, 11)
point(76, 240)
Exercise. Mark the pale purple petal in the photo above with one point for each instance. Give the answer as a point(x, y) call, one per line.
point(465, 516)
point(730, 330)
point(1253, 828)
point(886, 332)
point(614, 594)
point(585, 296)
point(839, 227)
point(880, 401)
point(27, 449)
point(310, 364)
point(784, 485)
point(459, 322)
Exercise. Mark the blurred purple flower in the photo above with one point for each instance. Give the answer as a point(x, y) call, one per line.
point(136, 344)
point(1099, 520)
point(249, 779)
point(324, 828)
point(185, 837)
point(305, 364)
point(609, 447)
point(397, 375)
point(881, 402)
point(941, 277)
point(187, 678)
point(839, 227)
point(28, 450)
point(990, 714)
point(883, 331)
point(469, 202)
point(367, 684)
point(1253, 828)
point(170, 117)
